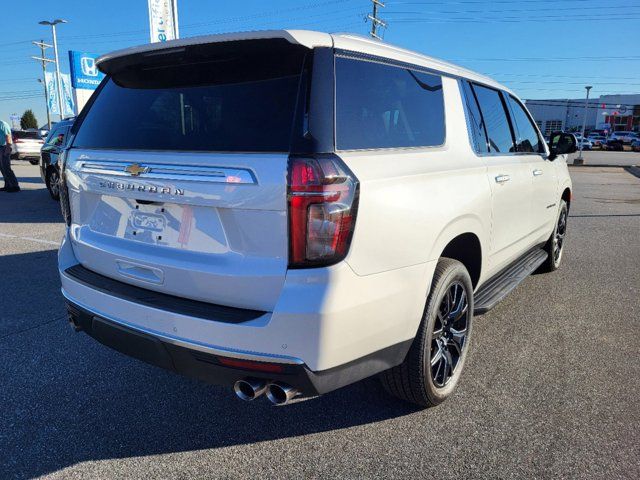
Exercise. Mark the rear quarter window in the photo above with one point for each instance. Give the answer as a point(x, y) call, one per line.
point(387, 106)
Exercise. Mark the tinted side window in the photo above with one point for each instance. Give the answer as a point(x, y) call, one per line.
point(495, 118)
point(382, 106)
point(53, 135)
point(60, 136)
point(477, 132)
point(527, 136)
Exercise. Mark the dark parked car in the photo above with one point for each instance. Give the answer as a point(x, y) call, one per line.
point(613, 144)
point(635, 145)
point(53, 146)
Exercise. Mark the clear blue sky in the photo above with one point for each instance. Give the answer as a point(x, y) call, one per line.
point(541, 49)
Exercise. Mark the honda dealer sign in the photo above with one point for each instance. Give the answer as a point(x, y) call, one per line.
point(84, 71)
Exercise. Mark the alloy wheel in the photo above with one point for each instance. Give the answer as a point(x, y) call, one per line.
point(54, 182)
point(449, 336)
point(558, 239)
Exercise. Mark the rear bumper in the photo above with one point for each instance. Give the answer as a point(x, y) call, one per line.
point(196, 362)
point(333, 326)
point(21, 153)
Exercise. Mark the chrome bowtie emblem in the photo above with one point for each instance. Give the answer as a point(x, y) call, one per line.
point(136, 169)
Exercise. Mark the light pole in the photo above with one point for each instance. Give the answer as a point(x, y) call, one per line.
point(55, 54)
point(579, 160)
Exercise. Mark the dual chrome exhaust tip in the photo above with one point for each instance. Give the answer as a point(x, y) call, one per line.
point(278, 393)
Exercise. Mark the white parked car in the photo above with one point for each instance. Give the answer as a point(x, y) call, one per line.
point(624, 137)
point(322, 209)
point(26, 145)
point(586, 143)
point(597, 140)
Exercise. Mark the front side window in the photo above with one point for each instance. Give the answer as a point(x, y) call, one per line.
point(495, 119)
point(527, 136)
point(53, 134)
point(57, 137)
point(384, 106)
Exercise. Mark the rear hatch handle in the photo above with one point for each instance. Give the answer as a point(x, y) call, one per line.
point(140, 272)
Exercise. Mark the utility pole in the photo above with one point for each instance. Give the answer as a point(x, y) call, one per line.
point(579, 160)
point(55, 54)
point(375, 21)
point(43, 58)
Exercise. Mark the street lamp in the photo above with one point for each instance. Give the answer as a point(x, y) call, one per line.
point(55, 53)
point(579, 160)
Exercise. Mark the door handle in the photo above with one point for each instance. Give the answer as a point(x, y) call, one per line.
point(502, 178)
point(537, 173)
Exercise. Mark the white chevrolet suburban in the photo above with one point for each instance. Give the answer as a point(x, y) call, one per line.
point(289, 212)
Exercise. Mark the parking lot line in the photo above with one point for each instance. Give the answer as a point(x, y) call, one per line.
point(30, 239)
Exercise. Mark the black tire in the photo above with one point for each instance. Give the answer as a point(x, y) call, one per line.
point(52, 180)
point(555, 245)
point(34, 161)
point(417, 380)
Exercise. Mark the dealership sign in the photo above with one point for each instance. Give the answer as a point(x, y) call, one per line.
point(163, 20)
point(84, 71)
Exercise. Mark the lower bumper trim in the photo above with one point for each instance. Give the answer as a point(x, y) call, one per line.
point(208, 367)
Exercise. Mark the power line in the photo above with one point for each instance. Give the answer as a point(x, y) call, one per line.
point(588, 77)
point(550, 59)
point(514, 21)
point(528, 11)
point(543, 82)
point(467, 2)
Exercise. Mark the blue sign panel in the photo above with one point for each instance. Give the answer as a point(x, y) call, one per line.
point(84, 72)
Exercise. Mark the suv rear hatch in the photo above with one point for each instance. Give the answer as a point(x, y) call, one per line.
point(177, 170)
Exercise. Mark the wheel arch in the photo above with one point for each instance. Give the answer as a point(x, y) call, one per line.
point(464, 241)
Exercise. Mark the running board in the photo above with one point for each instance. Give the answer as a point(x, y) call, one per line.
point(496, 289)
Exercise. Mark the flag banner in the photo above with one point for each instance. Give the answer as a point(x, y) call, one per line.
point(163, 20)
point(67, 95)
point(52, 94)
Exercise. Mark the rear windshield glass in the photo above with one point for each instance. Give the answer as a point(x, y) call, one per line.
point(20, 134)
point(204, 98)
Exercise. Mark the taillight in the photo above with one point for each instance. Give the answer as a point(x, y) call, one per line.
point(323, 201)
point(63, 190)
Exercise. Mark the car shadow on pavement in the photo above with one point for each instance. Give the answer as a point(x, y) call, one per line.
point(67, 399)
point(29, 206)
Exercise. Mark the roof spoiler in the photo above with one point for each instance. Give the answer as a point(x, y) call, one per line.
point(113, 61)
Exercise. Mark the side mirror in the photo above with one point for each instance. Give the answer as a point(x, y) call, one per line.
point(561, 143)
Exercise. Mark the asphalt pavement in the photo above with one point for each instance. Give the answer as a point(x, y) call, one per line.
point(551, 387)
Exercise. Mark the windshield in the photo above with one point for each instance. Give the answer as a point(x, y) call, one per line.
point(207, 98)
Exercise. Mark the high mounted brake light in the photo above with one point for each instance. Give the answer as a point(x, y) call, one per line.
point(323, 202)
